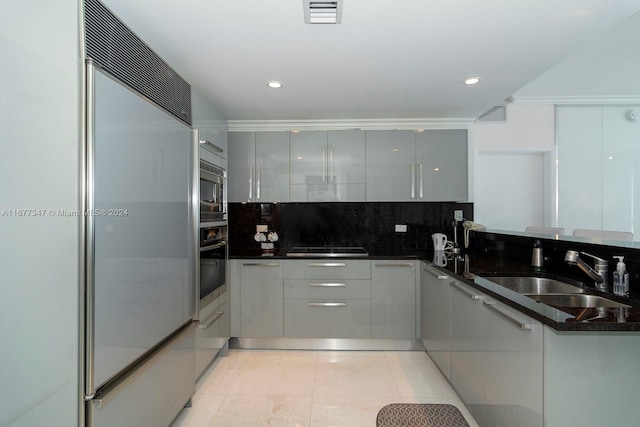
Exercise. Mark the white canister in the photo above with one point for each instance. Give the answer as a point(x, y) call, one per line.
point(439, 241)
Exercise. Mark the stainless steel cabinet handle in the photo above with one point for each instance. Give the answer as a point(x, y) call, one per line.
point(324, 164)
point(327, 285)
point(251, 182)
point(472, 295)
point(517, 322)
point(327, 304)
point(261, 264)
point(216, 246)
point(209, 144)
point(109, 392)
point(258, 179)
point(330, 164)
point(327, 264)
point(393, 264)
point(204, 324)
point(437, 275)
point(421, 183)
point(413, 181)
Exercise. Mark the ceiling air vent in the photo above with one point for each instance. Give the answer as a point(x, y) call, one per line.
point(322, 12)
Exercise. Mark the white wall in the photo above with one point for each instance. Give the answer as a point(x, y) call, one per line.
point(39, 169)
point(529, 130)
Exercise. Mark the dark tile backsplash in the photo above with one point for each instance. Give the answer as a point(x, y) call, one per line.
point(367, 224)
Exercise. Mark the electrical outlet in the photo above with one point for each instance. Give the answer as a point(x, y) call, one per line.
point(401, 228)
point(457, 215)
point(262, 228)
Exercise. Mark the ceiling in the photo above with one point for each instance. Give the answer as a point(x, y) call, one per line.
point(402, 59)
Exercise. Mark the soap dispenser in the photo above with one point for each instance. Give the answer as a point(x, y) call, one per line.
point(537, 259)
point(621, 278)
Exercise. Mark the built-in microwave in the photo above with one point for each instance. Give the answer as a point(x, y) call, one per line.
point(213, 196)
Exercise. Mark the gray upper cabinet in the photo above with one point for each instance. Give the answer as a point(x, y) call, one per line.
point(327, 166)
point(416, 166)
point(391, 158)
point(441, 156)
point(258, 167)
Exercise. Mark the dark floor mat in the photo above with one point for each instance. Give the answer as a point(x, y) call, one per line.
point(420, 414)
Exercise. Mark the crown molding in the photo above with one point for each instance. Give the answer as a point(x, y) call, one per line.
point(360, 124)
point(578, 100)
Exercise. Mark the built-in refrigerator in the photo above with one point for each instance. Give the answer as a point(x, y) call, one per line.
point(139, 234)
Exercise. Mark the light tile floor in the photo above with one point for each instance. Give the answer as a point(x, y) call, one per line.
point(313, 388)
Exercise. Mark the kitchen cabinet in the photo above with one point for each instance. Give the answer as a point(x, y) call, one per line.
point(441, 158)
point(496, 359)
point(393, 299)
point(416, 166)
point(467, 346)
point(261, 295)
point(513, 374)
point(258, 167)
point(213, 146)
point(327, 166)
point(435, 316)
point(327, 299)
point(212, 333)
point(390, 165)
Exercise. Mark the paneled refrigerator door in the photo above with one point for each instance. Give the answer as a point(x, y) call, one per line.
point(141, 284)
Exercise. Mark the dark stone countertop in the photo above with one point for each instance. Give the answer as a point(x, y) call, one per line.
point(476, 271)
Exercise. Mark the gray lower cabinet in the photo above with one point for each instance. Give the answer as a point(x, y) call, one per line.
point(497, 360)
point(212, 333)
point(261, 295)
point(435, 316)
point(327, 299)
point(393, 299)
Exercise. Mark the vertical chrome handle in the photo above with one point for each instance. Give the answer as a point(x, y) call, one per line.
point(251, 182)
point(413, 180)
point(421, 183)
point(258, 178)
point(331, 178)
point(88, 230)
point(324, 164)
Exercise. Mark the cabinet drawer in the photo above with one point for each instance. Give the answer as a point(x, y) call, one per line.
point(324, 318)
point(324, 269)
point(299, 288)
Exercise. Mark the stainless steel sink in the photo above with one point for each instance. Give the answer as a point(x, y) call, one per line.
point(536, 285)
point(576, 300)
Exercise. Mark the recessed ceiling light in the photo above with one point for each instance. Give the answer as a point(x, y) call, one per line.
point(273, 84)
point(472, 81)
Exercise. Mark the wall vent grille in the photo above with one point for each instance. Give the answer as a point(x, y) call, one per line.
point(322, 12)
point(119, 52)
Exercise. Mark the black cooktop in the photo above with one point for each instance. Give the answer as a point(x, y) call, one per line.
point(327, 251)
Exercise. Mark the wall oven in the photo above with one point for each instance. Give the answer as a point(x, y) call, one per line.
point(213, 257)
point(213, 196)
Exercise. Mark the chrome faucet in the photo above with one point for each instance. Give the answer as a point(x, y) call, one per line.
point(599, 274)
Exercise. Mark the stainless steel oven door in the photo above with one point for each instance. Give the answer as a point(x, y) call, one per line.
point(213, 272)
